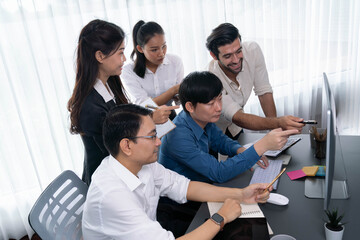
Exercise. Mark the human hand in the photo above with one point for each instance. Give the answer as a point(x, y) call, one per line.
point(290, 122)
point(161, 114)
point(175, 89)
point(263, 162)
point(274, 140)
point(230, 210)
point(255, 193)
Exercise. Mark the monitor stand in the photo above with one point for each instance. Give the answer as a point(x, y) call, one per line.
point(314, 188)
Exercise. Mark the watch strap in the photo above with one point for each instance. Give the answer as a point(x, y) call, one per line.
point(218, 219)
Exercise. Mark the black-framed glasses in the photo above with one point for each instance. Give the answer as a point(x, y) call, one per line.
point(152, 137)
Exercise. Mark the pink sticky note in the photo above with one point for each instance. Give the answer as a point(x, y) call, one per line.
point(296, 174)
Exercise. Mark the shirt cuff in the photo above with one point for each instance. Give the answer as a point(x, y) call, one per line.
point(263, 90)
point(250, 153)
point(184, 199)
point(234, 149)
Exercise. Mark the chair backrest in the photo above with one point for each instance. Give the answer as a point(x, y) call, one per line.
point(57, 213)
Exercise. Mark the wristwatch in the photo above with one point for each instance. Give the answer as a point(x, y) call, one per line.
point(218, 219)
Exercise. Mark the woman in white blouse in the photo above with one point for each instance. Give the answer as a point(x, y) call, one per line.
point(153, 73)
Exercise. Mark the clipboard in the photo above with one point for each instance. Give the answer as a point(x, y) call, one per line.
point(161, 129)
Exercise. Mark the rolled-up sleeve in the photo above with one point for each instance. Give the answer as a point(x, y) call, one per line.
point(230, 107)
point(261, 77)
point(171, 184)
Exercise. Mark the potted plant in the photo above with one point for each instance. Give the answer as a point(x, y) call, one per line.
point(334, 229)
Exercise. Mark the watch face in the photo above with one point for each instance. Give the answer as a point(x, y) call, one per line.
point(217, 218)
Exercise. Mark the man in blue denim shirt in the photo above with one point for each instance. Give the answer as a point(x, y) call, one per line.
point(185, 150)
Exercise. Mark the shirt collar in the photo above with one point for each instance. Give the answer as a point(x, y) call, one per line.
point(227, 79)
point(131, 181)
point(165, 62)
point(197, 130)
point(101, 89)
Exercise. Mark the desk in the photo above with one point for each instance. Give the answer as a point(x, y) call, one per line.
point(303, 218)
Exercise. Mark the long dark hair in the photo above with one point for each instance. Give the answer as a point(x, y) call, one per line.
point(97, 35)
point(142, 32)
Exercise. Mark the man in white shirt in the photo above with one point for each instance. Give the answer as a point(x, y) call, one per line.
point(241, 68)
point(124, 192)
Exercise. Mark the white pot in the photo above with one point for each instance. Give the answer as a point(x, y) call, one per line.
point(333, 235)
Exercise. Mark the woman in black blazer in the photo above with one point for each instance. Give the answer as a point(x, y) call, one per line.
point(100, 58)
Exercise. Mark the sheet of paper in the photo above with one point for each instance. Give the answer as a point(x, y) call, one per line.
point(161, 129)
point(248, 211)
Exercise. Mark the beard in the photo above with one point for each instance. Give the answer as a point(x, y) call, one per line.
point(229, 69)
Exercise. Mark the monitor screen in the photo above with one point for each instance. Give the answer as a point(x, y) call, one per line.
point(330, 141)
point(334, 186)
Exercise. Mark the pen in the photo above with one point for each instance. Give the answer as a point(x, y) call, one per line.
point(309, 122)
point(151, 106)
point(272, 182)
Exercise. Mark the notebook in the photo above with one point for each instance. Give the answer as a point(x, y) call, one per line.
point(161, 129)
point(248, 211)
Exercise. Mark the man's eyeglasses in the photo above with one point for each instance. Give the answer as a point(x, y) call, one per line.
point(152, 137)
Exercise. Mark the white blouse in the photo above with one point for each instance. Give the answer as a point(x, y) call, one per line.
point(167, 75)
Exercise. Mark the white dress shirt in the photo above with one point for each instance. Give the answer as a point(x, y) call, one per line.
point(253, 75)
point(120, 205)
point(167, 75)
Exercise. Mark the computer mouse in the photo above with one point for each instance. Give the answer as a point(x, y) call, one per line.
point(277, 199)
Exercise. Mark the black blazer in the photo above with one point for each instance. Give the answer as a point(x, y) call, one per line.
point(92, 115)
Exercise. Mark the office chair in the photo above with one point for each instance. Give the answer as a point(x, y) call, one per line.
point(58, 211)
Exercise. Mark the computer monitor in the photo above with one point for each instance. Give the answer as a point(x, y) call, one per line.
point(334, 186)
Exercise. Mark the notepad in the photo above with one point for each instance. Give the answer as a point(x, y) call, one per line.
point(296, 174)
point(248, 211)
point(310, 170)
point(321, 171)
point(161, 129)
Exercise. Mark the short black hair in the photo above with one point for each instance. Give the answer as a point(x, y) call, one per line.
point(223, 34)
point(199, 87)
point(122, 121)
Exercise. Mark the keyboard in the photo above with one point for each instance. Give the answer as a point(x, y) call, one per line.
point(268, 174)
point(289, 143)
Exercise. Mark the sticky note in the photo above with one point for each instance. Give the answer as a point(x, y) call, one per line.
point(296, 174)
point(321, 171)
point(311, 170)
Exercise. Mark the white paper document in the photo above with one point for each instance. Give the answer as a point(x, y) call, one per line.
point(161, 129)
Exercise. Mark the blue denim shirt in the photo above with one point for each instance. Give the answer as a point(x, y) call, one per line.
point(185, 150)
